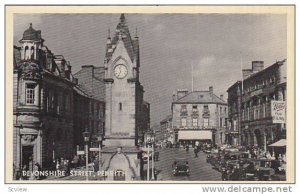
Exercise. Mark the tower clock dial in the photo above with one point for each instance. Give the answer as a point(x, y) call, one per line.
point(120, 71)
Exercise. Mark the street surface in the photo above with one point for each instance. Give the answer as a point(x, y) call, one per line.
point(199, 169)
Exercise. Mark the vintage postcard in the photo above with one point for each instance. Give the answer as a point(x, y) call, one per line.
point(150, 94)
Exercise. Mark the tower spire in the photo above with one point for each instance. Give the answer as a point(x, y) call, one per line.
point(136, 32)
point(122, 18)
point(108, 33)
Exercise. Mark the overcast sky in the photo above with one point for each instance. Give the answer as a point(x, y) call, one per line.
point(215, 44)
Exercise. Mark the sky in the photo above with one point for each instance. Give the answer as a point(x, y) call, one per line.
point(215, 46)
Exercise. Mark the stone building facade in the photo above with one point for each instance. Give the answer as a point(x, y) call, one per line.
point(43, 103)
point(260, 89)
point(199, 116)
point(233, 135)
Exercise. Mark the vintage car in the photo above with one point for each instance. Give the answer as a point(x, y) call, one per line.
point(264, 169)
point(232, 171)
point(181, 166)
point(211, 157)
point(206, 148)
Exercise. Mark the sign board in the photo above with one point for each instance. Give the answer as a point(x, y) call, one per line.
point(278, 111)
point(94, 149)
point(80, 152)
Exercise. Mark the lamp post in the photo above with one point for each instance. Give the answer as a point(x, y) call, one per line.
point(150, 144)
point(86, 137)
point(100, 144)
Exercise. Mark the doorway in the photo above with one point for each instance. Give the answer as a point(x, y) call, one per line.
point(27, 157)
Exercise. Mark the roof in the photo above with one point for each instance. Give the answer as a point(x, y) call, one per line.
point(32, 34)
point(204, 97)
point(130, 45)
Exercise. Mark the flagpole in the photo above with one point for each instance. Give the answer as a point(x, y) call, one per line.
point(192, 68)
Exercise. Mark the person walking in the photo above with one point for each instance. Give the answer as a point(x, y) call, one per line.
point(196, 151)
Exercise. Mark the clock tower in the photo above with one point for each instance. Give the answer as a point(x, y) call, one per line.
point(124, 93)
point(124, 100)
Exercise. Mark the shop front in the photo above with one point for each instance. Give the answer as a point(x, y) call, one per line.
point(194, 137)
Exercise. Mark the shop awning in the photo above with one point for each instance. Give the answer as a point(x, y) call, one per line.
point(195, 135)
point(280, 143)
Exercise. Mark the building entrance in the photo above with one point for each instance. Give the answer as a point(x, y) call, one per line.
point(27, 157)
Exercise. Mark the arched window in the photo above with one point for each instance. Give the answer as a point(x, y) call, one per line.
point(120, 106)
point(26, 52)
point(32, 53)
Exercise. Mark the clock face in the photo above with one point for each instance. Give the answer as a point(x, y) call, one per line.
point(120, 71)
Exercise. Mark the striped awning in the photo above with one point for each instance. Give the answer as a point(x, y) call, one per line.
point(195, 135)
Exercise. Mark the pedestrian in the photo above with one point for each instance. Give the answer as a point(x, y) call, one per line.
point(196, 151)
point(187, 148)
point(37, 167)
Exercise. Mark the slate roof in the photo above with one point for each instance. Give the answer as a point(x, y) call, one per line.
point(32, 34)
point(130, 45)
point(201, 97)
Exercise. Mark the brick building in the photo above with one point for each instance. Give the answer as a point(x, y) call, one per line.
point(199, 116)
point(90, 82)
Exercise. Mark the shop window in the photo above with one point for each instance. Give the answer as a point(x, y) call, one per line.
point(195, 109)
point(30, 93)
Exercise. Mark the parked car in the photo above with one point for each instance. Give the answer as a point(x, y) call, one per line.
point(232, 171)
point(181, 166)
point(211, 157)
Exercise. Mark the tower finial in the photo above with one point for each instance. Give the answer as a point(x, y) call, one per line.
point(108, 32)
point(136, 32)
point(122, 18)
point(30, 25)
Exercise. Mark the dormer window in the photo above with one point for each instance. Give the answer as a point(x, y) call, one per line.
point(30, 93)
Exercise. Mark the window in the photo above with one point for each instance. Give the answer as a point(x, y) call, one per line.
point(205, 122)
point(30, 93)
point(234, 125)
point(120, 106)
point(225, 110)
point(195, 109)
point(221, 110)
point(195, 122)
point(183, 108)
point(183, 122)
point(221, 120)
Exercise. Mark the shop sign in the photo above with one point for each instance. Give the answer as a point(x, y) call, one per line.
point(278, 111)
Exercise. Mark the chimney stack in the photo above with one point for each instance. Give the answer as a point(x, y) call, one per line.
point(221, 96)
point(257, 66)
point(211, 90)
point(181, 93)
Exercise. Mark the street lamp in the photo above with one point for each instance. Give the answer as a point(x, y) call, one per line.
point(149, 136)
point(99, 138)
point(86, 138)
